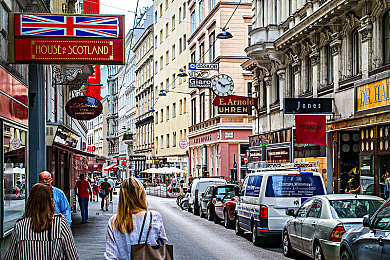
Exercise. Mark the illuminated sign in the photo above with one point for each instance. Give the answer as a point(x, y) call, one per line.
point(83, 108)
point(373, 95)
point(232, 110)
point(233, 100)
point(91, 39)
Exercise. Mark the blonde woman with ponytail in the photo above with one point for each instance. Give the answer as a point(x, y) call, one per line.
point(124, 228)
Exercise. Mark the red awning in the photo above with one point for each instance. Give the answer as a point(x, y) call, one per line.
point(111, 167)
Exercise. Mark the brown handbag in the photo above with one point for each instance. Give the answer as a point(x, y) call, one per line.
point(147, 252)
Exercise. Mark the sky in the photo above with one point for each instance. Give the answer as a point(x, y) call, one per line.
point(126, 7)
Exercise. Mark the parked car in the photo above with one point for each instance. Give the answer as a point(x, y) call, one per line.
point(207, 202)
point(225, 209)
point(372, 241)
point(265, 196)
point(198, 187)
point(316, 228)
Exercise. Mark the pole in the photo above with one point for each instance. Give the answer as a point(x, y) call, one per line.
point(36, 123)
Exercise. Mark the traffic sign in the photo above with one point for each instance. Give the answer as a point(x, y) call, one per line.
point(245, 159)
point(235, 165)
point(203, 66)
point(198, 166)
point(199, 83)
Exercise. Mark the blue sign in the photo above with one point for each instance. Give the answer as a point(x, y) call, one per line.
point(198, 166)
point(192, 66)
point(235, 165)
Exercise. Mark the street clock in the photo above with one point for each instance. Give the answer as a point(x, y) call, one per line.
point(223, 85)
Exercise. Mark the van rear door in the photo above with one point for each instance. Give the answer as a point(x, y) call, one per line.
point(289, 191)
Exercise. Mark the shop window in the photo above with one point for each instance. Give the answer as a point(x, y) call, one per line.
point(349, 161)
point(14, 146)
point(367, 174)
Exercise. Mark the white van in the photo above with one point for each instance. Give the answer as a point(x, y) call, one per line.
point(267, 194)
point(198, 187)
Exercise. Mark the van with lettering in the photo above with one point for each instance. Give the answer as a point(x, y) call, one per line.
point(267, 194)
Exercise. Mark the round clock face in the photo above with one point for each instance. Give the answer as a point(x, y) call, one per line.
point(223, 85)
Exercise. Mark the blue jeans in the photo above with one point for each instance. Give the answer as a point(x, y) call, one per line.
point(84, 208)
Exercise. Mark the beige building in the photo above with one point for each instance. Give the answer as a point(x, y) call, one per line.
point(143, 50)
point(171, 92)
point(218, 142)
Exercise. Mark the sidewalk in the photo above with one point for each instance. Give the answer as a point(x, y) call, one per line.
point(90, 238)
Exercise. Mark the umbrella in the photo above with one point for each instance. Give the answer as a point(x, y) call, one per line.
point(176, 170)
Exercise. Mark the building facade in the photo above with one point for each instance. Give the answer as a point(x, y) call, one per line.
point(171, 91)
point(218, 142)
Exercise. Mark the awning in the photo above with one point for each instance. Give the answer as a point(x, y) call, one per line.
point(111, 167)
point(359, 121)
point(73, 150)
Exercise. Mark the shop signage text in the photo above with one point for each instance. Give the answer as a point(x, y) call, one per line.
point(203, 66)
point(65, 137)
point(232, 110)
point(310, 129)
point(229, 135)
point(199, 83)
point(137, 158)
point(234, 101)
point(202, 139)
point(83, 108)
point(183, 143)
point(255, 156)
point(373, 95)
point(278, 155)
point(308, 105)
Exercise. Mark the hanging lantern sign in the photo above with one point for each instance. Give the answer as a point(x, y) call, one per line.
point(83, 108)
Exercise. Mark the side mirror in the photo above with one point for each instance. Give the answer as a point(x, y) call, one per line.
point(366, 221)
point(290, 212)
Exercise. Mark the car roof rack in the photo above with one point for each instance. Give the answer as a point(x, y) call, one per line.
point(215, 177)
point(301, 166)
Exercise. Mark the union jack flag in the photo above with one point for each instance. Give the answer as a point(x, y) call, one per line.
point(69, 26)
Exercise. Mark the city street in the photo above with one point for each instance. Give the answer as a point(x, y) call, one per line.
point(192, 237)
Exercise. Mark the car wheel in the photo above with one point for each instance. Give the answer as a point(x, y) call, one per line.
point(189, 208)
point(226, 221)
point(197, 211)
point(256, 240)
point(210, 215)
point(184, 205)
point(239, 231)
point(217, 220)
point(318, 255)
point(287, 250)
point(345, 255)
point(200, 211)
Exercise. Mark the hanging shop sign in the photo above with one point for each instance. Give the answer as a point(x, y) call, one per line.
point(83, 108)
point(71, 39)
point(199, 83)
point(203, 66)
point(310, 129)
point(65, 137)
point(278, 155)
point(183, 143)
point(16, 143)
point(234, 100)
point(373, 95)
point(137, 158)
point(308, 105)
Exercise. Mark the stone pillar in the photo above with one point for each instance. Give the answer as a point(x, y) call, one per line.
point(282, 86)
point(314, 56)
point(365, 32)
point(335, 47)
point(268, 84)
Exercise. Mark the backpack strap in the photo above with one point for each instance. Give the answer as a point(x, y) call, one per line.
point(142, 228)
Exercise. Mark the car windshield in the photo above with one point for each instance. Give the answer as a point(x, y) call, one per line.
point(224, 190)
point(382, 219)
point(353, 208)
point(297, 185)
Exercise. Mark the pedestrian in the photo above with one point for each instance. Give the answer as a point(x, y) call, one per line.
point(112, 183)
point(96, 186)
point(41, 234)
point(90, 181)
point(105, 188)
point(60, 201)
point(82, 191)
point(124, 228)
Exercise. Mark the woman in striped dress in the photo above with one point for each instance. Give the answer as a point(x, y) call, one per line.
point(41, 234)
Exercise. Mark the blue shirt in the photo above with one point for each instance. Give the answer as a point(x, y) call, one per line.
point(61, 203)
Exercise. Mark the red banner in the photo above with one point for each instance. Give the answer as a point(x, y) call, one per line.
point(93, 85)
point(89, 51)
point(310, 129)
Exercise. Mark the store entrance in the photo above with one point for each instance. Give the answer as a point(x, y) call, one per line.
point(348, 151)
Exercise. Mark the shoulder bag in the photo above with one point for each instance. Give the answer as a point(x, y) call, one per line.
point(146, 252)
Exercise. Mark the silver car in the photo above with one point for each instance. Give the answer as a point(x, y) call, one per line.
point(316, 228)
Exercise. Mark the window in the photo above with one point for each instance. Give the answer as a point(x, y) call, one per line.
point(212, 46)
point(161, 62)
point(161, 10)
point(155, 42)
point(167, 110)
point(156, 66)
point(201, 52)
point(185, 106)
point(180, 46)
point(329, 63)
point(253, 186)
point(162, 117)
point(193, 57)
point(174, 110)
point(315, 210)
point(162, 142)
point(184, 42)
point(354, 208)
point(309, 74)
point(174, 139)
point(193, 109)
point(355, 52)
point(185, 78)
point(174, 81)
point(249, 86)
point(162, 86)
point(167, 84)
point(386, 38)
point(166, 30)
point(173, 23)
point(294, 186)
point(180, 109)
point(277, 88)
point(201, 11)
point(302, 211)
point(166, 57)
point(167, 140)
point(192, 21)
point(156, 142)
point(156, 118)
point(382, 220)
point(249, 38)
point(161, 36)
point(179, 14)
point(166, 4)
point(202, 107)
point(211, 5)
point(173, 52)
point(184, 10)
point(155, 17)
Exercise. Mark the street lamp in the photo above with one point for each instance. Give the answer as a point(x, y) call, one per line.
point(182, 73)
point(162, 93)
point(224, 34)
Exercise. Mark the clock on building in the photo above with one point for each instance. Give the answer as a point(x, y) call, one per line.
point(223, 85)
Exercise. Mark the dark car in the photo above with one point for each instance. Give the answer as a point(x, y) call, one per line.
point(206, 202)
point(372, 241)
point(225, 209)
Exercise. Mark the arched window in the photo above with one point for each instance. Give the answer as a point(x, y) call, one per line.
point(355, 52)
point(386, 36)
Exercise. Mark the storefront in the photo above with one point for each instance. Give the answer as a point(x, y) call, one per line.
point(219, 153)
point(361, 144)
point(13, 128)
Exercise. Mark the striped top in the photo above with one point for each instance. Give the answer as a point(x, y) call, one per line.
point(27, 244)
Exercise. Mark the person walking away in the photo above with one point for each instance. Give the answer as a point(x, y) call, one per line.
point(124, 228)
point(60, 201)
point(112, 183)
point(90, 181)
point(96, 186)
point(82, 191)
point(106, 187)
point(41, 234)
